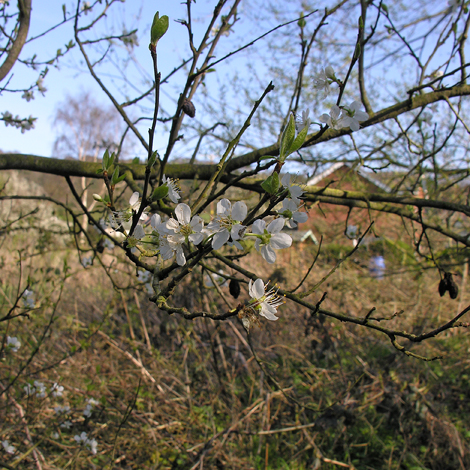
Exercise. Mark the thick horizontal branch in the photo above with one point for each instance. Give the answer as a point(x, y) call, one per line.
point(15, 161)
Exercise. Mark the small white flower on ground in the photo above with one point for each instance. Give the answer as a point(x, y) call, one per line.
point(40, 389)
point(290, 211)
point(13, 344)
point(269, 238)
point(352, 116)
point(87, 261)
point(91, 402)
point(29, 390)
point(28, 299)
point(66, 425)
point(55, 435)
point(82, 439)
point(9, 449)
point(333, 120)
point(173, 190)
point(227, 223)
point(57, 390)
point(59, 410)
point(295, 191)
point(262, 302)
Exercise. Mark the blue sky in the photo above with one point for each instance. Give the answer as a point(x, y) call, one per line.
point(71, 76)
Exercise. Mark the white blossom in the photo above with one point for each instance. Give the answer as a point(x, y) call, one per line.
point(173, 190)
point(40, 389)
point(13, 344)
point(302, 121)
point(28, 299)
point(333, 119)
point(186, 227)
point(269, 238)
point(28, 95)
point(352, 116)
point(9, 449)
point(87, 261)
point(290, 212)
point(323, 79)
point(264, 303)
point(295, 191)
point(83, 439)
point(40, 85)
point(227, 223)
point(57, 390)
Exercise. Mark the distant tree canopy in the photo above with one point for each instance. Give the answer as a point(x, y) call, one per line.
point(380, 86)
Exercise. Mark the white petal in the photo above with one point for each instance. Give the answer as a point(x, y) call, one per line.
point(134, 198)
point(183, 213)
point(155, 221)
point(180, 258)
point(172, 224)
point(285, 180)
point(268, 254)
point(258, 227)
point(276, 225)
point(325, 118)
point(353, 125)
point(224, 207)
point(239, 211)
point(300, 217)
point(196, 238)
point(335, 111)
point(220, 239)
point(139, 232)
point(257, 244)
point(266, 313)
point(257, 289)
point(280, 240)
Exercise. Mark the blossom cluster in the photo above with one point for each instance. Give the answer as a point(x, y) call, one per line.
point(170, 237)
point(25, 124)
point(83, 439)
point(39, 389)
point(340, 116)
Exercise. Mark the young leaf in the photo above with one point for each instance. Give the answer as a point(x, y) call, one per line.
point(160, 193)
point(299, 140)
point(287, 138)
point(271, 184)
point(159, 28)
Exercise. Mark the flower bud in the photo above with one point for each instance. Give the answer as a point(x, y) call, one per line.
point(189, 108)
point(159, 28)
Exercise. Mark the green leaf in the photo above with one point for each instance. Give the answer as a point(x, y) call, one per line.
point(357, 52)
point(385, 8)
point(160, 193)
point(64, 11)
point(299, 140)
point(287, 138)
point(136, 160)
point(105, 159)
point(152, 159)
point(271, 184)
point(159, 28)
point(115, 176)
